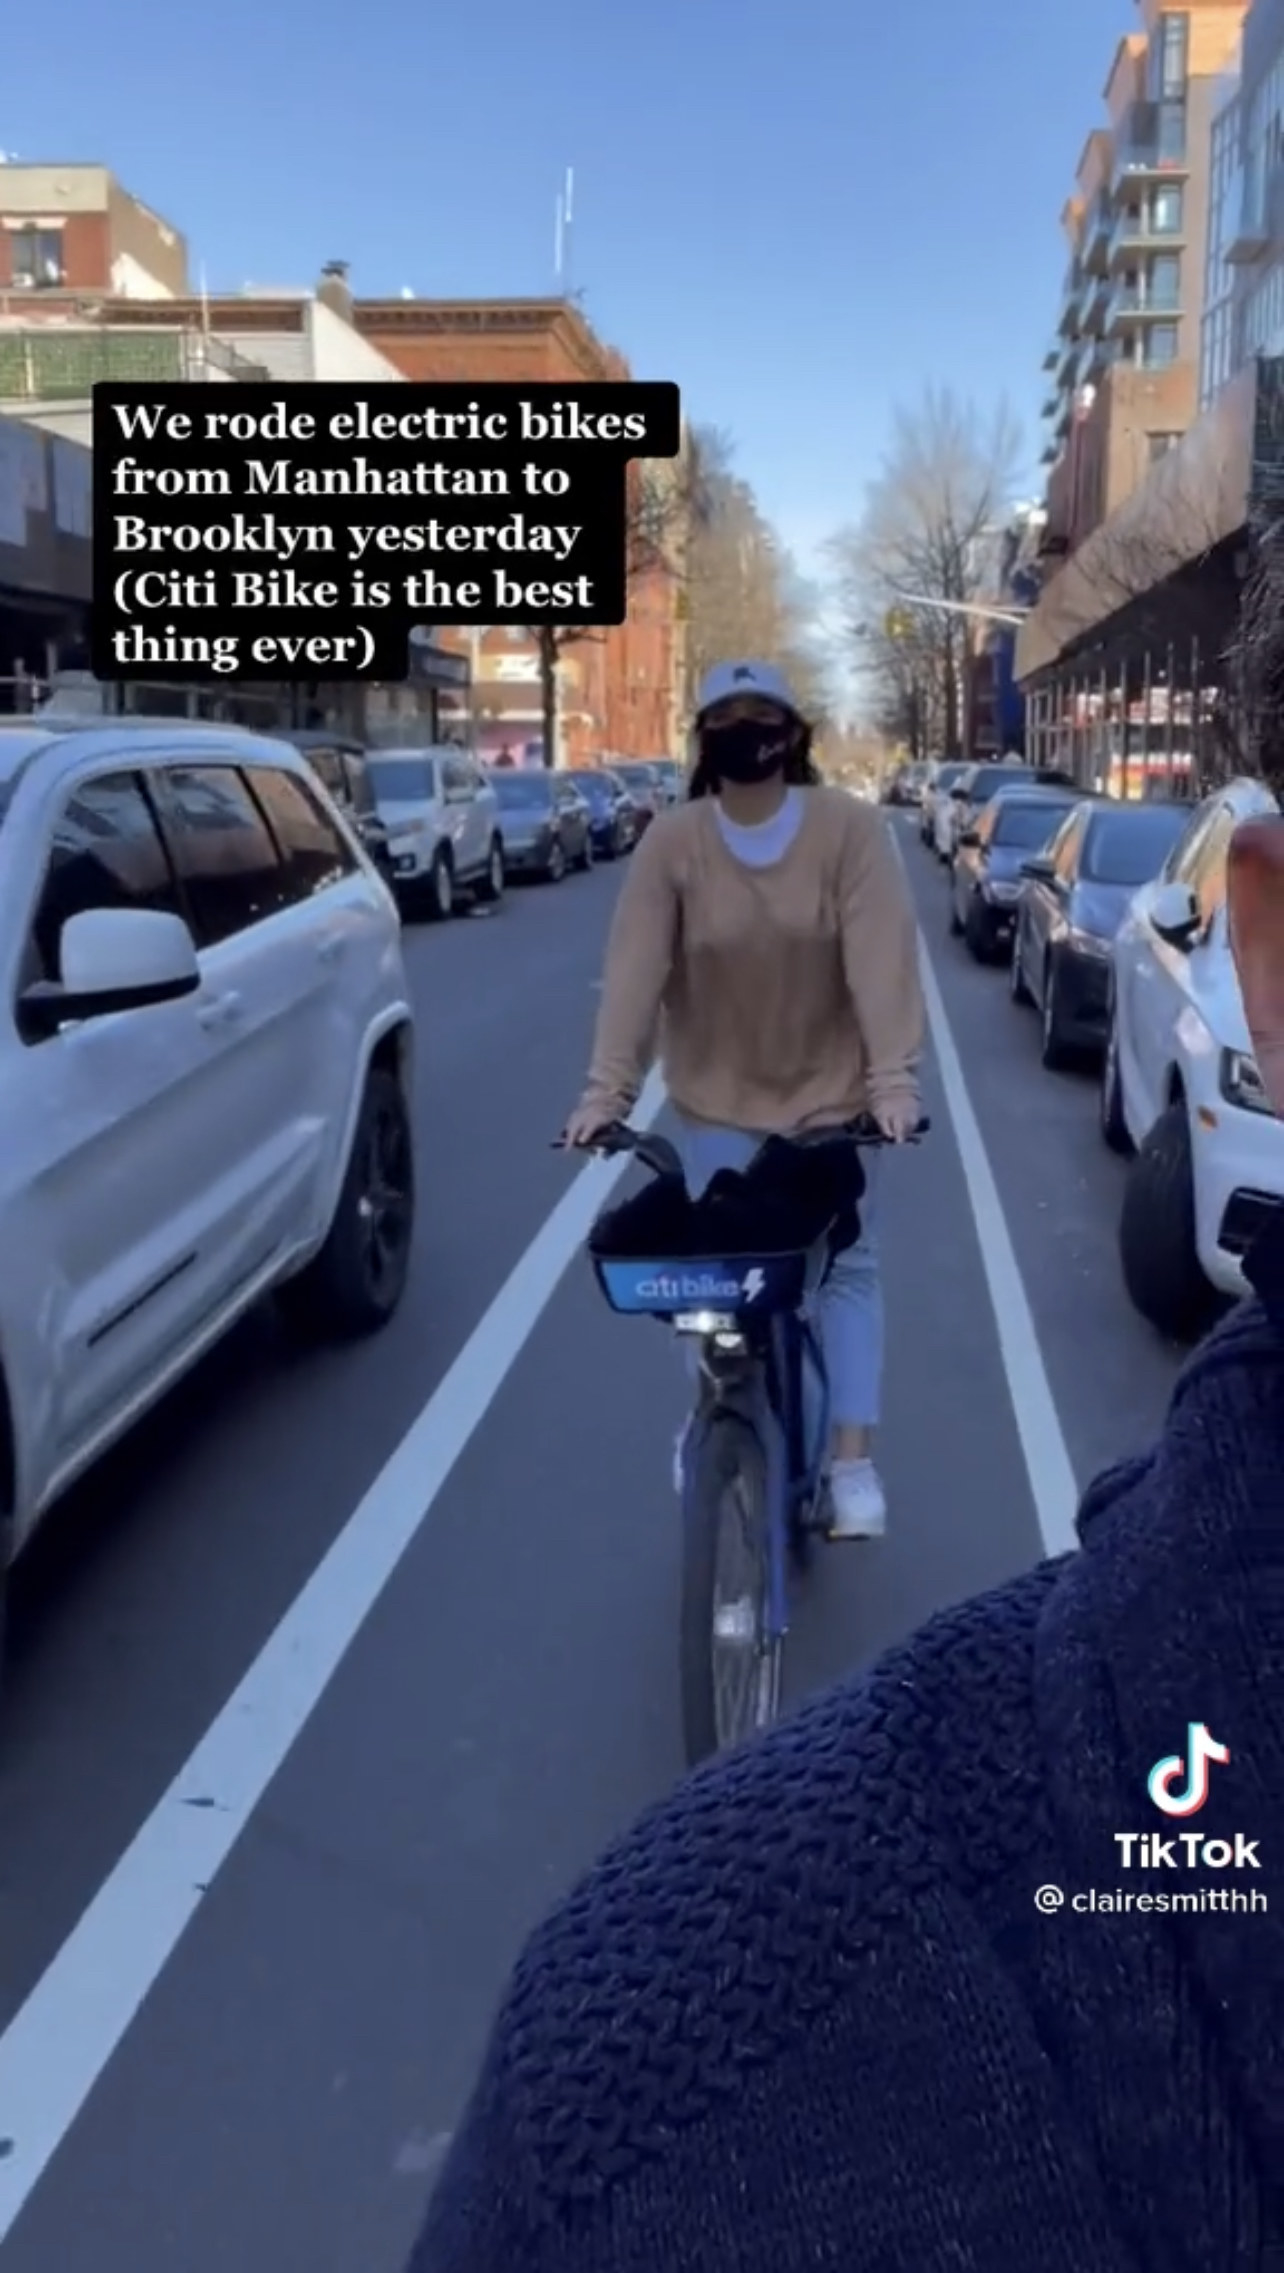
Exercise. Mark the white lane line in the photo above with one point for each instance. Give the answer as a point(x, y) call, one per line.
point(58, 2043)
point(1053, 1486)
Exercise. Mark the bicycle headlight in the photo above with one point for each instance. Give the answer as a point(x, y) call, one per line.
point(1241, 1084)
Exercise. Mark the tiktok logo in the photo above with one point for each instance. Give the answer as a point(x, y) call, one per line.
point(1201, 1750)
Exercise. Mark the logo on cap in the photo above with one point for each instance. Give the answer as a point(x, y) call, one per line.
point(744, 672)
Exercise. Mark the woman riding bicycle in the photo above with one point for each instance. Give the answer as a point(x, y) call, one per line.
point(765, 934)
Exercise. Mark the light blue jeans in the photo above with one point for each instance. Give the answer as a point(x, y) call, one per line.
point(849, 1310)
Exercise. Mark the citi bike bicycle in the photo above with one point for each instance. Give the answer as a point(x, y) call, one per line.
point(737, 1273)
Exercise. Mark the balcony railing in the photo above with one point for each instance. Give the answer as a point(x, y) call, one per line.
point(1139, 303)
point(50, 363)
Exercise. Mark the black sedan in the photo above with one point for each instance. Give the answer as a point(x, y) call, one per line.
point(613, 813)
point(989, 861)
point(545, 822)
point(1074, 897)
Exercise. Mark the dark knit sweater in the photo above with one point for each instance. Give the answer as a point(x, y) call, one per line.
point(807, 2015)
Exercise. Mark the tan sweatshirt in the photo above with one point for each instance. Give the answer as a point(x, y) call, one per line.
point(779, 997)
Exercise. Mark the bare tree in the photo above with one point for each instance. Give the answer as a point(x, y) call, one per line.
point(939, 497)
point(744, 593)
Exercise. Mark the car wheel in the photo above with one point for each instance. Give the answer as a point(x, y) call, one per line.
point(555, 865)
point(491, 887)
point(977, 934)
point(1017, 987)
point(441, 887)
point(956, 927)
point(1054, 1051)
point(355, 1283)
point(1114, 1128)
point(1157, 1232)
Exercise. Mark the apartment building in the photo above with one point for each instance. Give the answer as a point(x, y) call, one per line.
point(74, 229)
point(1146, 236)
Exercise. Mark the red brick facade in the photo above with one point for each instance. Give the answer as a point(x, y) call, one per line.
point(618, 686)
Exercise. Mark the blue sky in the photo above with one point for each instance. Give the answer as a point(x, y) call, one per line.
point(802, 212)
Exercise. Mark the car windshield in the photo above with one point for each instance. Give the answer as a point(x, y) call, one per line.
point(590, 784)
point(1027, 824)
point(1131, 846)
point(948, 775)
point(522, 792)
point(402, 781)
point(991, 779)
point(636, 776)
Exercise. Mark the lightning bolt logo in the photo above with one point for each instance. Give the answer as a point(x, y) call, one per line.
point(754, 1283)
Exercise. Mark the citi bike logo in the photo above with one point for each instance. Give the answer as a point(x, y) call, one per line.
point(1165, 1781)
point(701, 1286)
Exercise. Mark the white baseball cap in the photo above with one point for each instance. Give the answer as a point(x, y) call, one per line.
point(727, 680)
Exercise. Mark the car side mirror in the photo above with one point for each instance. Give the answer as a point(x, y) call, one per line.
point(1175, 916)
point(1039, 870)
point(112, 960)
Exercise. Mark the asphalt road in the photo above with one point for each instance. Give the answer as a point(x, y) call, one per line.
point(284, 2091)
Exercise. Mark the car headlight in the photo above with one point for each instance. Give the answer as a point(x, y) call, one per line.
point(1241, 1083)
point(1090, 943)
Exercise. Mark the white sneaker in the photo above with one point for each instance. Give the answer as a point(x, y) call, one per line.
point(857, 1508)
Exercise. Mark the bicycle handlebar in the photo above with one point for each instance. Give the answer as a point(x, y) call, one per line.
point(663, 1159)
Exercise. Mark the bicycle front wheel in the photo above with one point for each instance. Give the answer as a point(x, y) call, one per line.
point(731, 1665)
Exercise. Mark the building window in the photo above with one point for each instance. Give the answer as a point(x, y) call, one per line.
point(1159, 445)
point(1174, 51)
point(1163, 283)
point(1163, 344)
point(1171, 139)
point(36, 256)
point(1166, 211)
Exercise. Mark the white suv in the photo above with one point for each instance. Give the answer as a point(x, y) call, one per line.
point(206, 1059)
point(1179, 1083)
point(444, 828)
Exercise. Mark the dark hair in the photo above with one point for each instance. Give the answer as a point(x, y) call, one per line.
point(801, 770)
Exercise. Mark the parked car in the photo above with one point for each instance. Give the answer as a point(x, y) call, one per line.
point(547, 824)
point(964, 803)
point(643, 788)
point(444, 828)
point(671, 778)
point(341, 766)
point(1074, 896)
point(206, 1069)
point(613, 814)
point(1180, 1085)
point(985, 882)
point(906, 785)
point(942, 776)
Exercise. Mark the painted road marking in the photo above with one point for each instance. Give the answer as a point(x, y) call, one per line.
point(58, 2043)
point(1053, 1486)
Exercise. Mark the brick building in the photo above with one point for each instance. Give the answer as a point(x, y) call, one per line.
point(73, 229)
point(622, 689)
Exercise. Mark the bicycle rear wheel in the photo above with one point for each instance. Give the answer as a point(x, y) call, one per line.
point(731, 1667)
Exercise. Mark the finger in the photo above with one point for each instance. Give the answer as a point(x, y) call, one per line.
point(1255, 909)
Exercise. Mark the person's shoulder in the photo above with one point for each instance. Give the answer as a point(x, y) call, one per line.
point(847, 820)
point(668, 841)
point(710, 1937)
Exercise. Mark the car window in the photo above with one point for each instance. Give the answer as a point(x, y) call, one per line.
point(1207, 873)
point(1185, 853)
point(106, 852)
point(219, 843)
point(1026, 825)
point(311, 848)
point(403, 781)
point(1127, 846)
point(329, 767)
point(1064, 855)
point(359, 789)
point(458, 778)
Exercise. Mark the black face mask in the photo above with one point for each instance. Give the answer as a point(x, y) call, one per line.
point(747, 751)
